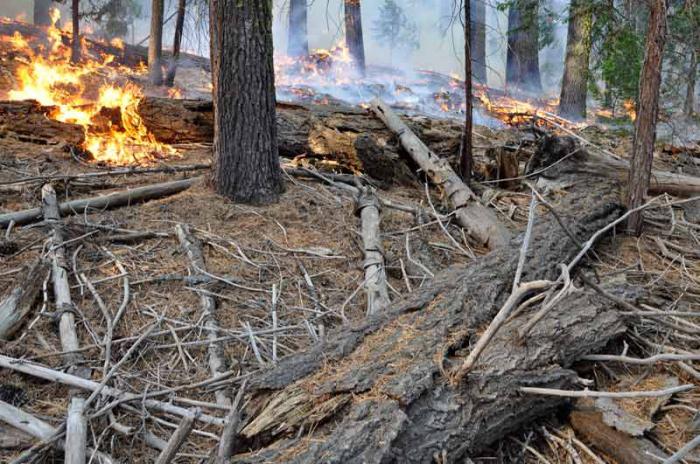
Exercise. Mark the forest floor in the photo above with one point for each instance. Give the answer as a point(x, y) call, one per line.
point(308, 248)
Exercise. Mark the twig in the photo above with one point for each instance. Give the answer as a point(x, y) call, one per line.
point(599, 394)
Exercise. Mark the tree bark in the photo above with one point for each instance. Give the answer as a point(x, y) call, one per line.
point(75, 43)
point(353, 34)
point(523, 63)
point(41, 12)
point(647, 113)
point(574, 87)
point(155, 43)
point(477, 39)
point(379, 391)
point(246, 165)
point(177, 42)
point(466, 157)
point(689, 104)
point(297, 36)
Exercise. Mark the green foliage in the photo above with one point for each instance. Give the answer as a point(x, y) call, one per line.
point(113, 16)
point(621, 55)
point(394, 29)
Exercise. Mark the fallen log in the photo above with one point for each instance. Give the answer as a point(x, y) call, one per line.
point(28, 121)
point(111, 200)
point(378, 391)
point(375, 271)
point(479, 221)
point(15, 307)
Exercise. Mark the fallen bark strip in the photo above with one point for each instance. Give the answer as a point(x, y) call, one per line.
point(378, 391)
point(52, 375)
point(480, 222)
point(111, 200)
point(17, 305)
point(375, 272)
point(217, 365)
point(37, 428)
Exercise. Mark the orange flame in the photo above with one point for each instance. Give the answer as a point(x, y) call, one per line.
point(50, 78)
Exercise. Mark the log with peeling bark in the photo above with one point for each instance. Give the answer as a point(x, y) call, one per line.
point(28, 121)
point(17, 305)
point(108, 201)
point(379, 391)
point(480, 222)
point(375, 271)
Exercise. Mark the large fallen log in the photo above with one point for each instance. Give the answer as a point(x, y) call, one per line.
point(379, 391)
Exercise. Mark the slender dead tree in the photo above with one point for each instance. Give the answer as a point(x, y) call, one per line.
point(647, 113)
point(574, 86)
point(522, 62)
point(177, 42)
point(41, 12)
point(478, 40)
point(689, 104)
point(297, 35)
point(75, 41)
point(466, 159)
point(155, 43)
point(246, 162)
point(353, 34)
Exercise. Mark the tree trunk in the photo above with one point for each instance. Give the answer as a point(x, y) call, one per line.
point(379, 391)
point(647, 112)
point(478, 40)
point(466, 158)
point(75, 43)
point(177, 42)
point(246, 165)
point(574, 87)
point(353, 34)
point(297, 36)
point(689, 105)
point(155, 43)
point(523, 63)
point(41, 12)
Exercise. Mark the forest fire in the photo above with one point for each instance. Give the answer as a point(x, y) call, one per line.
point(81, 93)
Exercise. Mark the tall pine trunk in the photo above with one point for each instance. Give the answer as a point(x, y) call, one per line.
point(41, 12)
point(297, 35)
point(155, 43)
point(689, 104)
point(177, 42)
point(353, 34)
point(647, 113)
point(246, 162)
point(523, 63)
point(466, 160)
point(75, 41)
point(574, 88)
point(478, 40)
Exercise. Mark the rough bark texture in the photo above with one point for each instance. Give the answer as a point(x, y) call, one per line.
point(689, 104)
point(246, 165)
point(574, 89)
point(177, 42)
point(75, 42)
point(16, 306)
point(353, 34)
point(297, 36)
point(477, 38)
point(466, 157)
point(41, 12)
point(155, 43)
point(377, 391)
point(647, 113)
point(28, 122)
point(523, 63)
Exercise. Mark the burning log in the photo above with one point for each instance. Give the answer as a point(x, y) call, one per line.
point(480, 222)
point(379, 392)
point(28, 121)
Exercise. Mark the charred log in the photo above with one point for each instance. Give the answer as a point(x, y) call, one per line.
point(28, 121)
point(378, 391)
